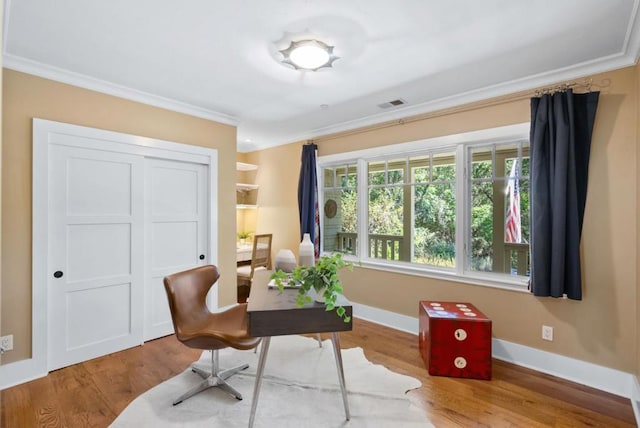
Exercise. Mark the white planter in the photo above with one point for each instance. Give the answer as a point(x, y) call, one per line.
point(320, 295)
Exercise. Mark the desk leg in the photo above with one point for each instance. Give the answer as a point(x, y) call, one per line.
point(335, 339)
point(256, 389)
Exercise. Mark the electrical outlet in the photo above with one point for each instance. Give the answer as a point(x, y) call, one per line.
point(6, 342)
point(547, 333)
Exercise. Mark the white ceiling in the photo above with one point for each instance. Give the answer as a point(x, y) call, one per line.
point(219, 59)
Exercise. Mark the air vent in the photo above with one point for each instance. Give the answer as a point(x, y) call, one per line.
point(394, 103)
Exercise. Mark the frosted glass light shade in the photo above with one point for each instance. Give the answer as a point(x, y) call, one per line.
point(308, 55)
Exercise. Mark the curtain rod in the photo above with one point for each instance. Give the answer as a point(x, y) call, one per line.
point(587, 84)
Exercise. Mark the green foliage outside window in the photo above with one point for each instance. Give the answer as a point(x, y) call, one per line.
point(430, 183)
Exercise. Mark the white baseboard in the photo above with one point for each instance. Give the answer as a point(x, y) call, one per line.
point(635, 400)
point(603, 378)
point(593, 375)
point(13, 374)
point(386, 318)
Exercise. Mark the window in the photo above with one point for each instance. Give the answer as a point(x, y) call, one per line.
point(456, 206)
point(499, 208)
point(340, 225)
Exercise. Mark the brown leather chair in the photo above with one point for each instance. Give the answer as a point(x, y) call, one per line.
point(197, 327)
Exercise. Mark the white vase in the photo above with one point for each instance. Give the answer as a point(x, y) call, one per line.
point(320, 295)
point(306, 251)
point(285, 261)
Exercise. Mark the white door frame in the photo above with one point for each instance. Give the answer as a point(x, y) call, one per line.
point(45, 134)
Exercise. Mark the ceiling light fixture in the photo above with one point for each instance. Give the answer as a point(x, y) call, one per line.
point(309, 55)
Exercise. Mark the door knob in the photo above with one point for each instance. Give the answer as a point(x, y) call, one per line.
point(201, 256)
point(57, 274)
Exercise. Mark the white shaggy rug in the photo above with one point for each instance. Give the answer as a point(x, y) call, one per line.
point(300, 388)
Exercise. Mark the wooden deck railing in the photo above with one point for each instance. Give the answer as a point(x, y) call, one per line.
point(388, 247)
point(522, 257)
point(347, 242)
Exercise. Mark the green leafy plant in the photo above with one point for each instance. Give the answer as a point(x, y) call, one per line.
point(244, 234)
point(323, 278)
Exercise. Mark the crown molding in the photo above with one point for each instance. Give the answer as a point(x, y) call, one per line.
point(35, 68)
point(601, 65)
point(627, 57)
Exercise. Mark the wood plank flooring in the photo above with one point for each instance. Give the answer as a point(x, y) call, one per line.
point(93, 393)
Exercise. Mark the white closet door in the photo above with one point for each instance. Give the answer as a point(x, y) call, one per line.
point(96, 263)
point(176, 232)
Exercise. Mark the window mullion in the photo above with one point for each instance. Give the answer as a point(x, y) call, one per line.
point(462, 203)
point(320, 185)
point(363, 210)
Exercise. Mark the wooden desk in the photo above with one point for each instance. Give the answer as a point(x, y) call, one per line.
point(271, 313)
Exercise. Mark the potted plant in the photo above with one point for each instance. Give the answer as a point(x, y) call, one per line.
point(243, 236)
point(323, 278)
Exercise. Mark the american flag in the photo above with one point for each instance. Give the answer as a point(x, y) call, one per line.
point(512, 228)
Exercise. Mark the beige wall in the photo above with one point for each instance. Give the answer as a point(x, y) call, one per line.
point(602, 328)
point(277, 175)
point(1, 44)
point(25, 97)
point(637, 218)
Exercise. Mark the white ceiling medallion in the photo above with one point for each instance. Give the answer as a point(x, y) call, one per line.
point(309, 55)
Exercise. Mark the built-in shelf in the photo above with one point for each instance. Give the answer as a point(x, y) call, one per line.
point(241, 166)
point(244, 195)
point(244, 187)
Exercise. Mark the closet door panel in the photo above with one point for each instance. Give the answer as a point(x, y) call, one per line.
point(177, 234)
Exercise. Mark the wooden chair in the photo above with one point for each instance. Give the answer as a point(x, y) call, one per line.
point(196, 327)
point(260, 259)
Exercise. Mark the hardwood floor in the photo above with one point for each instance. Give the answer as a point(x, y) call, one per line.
point(93, 393)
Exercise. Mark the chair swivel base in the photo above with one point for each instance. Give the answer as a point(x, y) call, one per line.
point(215, 379)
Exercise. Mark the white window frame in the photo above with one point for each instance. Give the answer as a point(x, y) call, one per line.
point(458, 143)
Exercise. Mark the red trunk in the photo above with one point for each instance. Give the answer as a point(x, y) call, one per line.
point(455, 340)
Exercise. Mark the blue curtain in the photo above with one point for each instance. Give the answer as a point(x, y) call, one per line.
point(561, 129)
point(308, 196)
